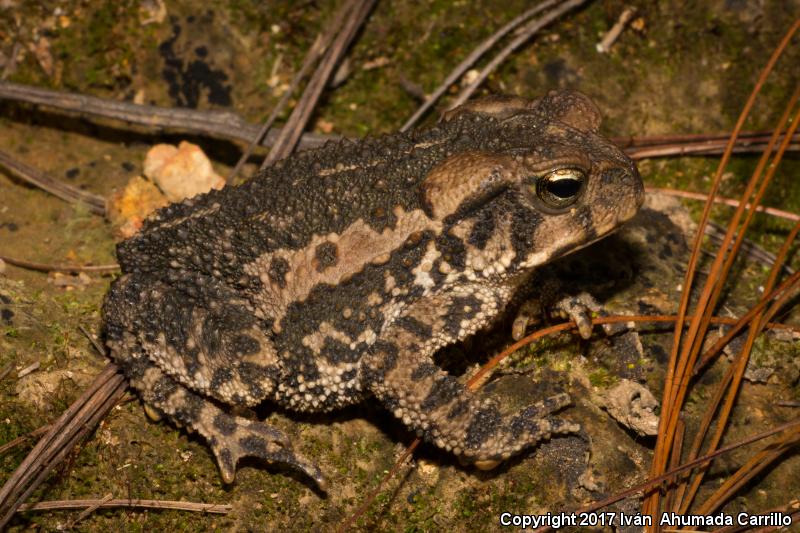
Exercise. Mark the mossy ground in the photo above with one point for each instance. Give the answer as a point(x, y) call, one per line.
point(681, 69)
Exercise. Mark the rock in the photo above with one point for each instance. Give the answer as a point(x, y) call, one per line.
point(181, 172)
point(633, 406)
point(128, 209)
point(38, 389)
point(68, 281)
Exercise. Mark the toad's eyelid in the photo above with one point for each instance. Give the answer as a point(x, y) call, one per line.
point(551, 167)
point(557, 173)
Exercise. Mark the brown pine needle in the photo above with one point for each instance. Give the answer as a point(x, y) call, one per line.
point(742, 358)
point(374, 494)
point(470, 60)
point(94, 203)
point(682, 356)
point(42, 267)
point(10, 445)
point(482, 374)
point(782, 293)
point(754, 466)
point(528, 31)
point(78, 420)
point(355, 14)
point(675, 460)
point(700, 149)
point(89, 510)
point(320, 46)
point(794, 217)
point(59, 505)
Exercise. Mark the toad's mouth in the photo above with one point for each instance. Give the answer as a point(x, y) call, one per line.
point(603, 231)
point(585, 236)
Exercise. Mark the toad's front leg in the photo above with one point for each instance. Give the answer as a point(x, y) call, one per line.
point(471, 424)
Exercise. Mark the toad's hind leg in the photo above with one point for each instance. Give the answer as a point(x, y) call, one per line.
point(180, 348)
point(230, 437)
point(200, 332)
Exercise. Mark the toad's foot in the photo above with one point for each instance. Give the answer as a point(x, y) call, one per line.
point(473, 425)
point(230, 437)
point(579, 308)
point(533, 424)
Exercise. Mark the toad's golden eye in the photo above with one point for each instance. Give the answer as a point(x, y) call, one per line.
point(560, 188)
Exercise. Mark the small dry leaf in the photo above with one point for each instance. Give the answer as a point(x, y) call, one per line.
point(324, 126)
point(469, 77)
point(42, 52)
point(128, 209)
point(152, 12)
point(378, 62)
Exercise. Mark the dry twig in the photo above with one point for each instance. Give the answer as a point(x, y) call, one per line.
point(355, 12)
point(320, 46)
point(530, 29)
point(78, 420)
point(476, 54)
point(96, 204)
point(216, 124)
point(613, 34)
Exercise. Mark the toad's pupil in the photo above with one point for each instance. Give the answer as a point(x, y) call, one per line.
point(563, 187)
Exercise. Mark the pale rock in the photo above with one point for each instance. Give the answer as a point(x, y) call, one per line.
point(181, 172)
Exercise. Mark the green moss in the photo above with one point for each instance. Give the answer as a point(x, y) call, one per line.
point(601, 378)
point(466, 504)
